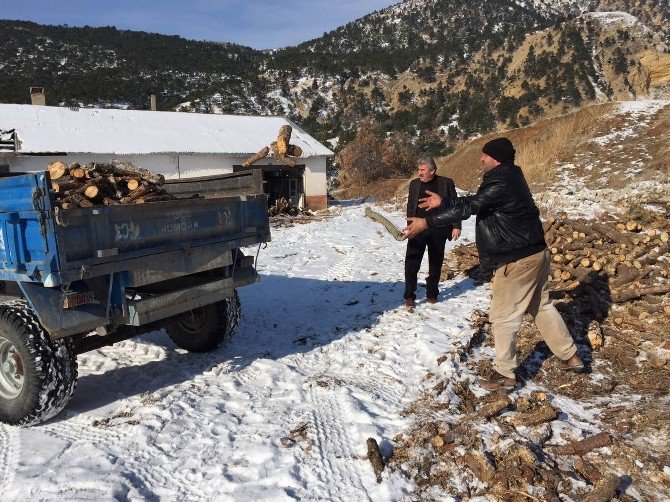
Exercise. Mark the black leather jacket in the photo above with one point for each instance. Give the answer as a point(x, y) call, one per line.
point(508, 222)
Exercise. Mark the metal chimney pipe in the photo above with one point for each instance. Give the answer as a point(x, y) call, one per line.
point(153, 102)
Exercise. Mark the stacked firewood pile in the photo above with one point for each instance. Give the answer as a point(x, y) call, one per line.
point(283, 206)
point(629, 262)
point(633, 263)
point(104, 185)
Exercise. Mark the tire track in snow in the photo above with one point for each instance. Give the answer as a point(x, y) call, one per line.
point(10, 447)
point(136, 459)
point(334, 468)
point(344, 266)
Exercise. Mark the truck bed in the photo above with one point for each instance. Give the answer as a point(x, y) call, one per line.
point(41, 243)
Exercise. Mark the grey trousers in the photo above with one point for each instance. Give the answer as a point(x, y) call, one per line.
point(521, 287)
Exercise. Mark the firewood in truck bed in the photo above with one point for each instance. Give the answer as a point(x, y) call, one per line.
point(108, 184)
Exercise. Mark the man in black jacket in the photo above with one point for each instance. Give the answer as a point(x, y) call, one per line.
point(509, 238)
point(434, 239)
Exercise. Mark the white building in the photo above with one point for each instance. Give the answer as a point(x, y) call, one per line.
point(177, 145)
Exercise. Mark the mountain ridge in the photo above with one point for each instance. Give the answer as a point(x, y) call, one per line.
point(436, 70)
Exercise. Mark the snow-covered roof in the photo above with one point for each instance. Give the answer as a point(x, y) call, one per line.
point(48, 129)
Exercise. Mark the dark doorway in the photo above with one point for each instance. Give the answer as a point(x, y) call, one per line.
point(281, 182)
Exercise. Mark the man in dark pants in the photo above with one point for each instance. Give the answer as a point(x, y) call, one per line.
point(426, 184)
point(509, 238)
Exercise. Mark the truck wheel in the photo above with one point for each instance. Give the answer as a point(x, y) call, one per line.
point(37, 374)
point(206, 328)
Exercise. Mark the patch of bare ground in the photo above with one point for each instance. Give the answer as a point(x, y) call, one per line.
point(623, 149)
point(539, 146)
point(382, 189)
point(602, 435)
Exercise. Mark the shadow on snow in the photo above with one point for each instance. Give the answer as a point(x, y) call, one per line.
point(280, 316)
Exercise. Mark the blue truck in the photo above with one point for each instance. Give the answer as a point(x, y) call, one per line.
point(78, 279)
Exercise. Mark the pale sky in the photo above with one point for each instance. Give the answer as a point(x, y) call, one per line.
point(262, 24)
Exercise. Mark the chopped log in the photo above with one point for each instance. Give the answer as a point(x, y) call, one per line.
point(79, 173)
point(605, 490)
point(585, 445)
point(480, 466)
point(255, 158)
point(65, 186)
point(588, 471)
point(136, 194)
point(375, 457)
point(611, 234)
point(107, 201)
point(284, 139)
point(92, 171)
point(288, 161)
point(542, 414)
point(632, 226)
point(294, 151)
point(492, 409)
point(93, 192)
point(132, 183)
point(636, 292)
point(57, 170)
point(128, 169)
point(79, 200)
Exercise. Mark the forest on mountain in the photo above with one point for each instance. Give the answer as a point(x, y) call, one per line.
point(431, 72)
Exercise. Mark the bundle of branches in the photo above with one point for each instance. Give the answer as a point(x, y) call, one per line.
point(104, 184)
point(283, 206)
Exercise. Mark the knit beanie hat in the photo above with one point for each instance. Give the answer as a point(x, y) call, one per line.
point(500, 149)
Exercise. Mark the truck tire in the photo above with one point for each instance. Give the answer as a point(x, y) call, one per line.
point(206, 328)
point(37, 374)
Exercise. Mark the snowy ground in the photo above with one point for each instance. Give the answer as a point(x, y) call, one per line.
point(324, 358)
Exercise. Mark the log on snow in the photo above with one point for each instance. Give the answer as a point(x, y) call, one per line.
point(637, 292)
point(585, 445)
point(545, 413)
point(375, 457)
point(393, 230)
point(605, 490)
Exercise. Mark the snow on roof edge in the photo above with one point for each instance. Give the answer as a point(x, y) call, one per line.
point(44, 129)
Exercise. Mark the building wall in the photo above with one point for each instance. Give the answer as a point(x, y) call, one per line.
point(316, 183)
point(163, 164)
